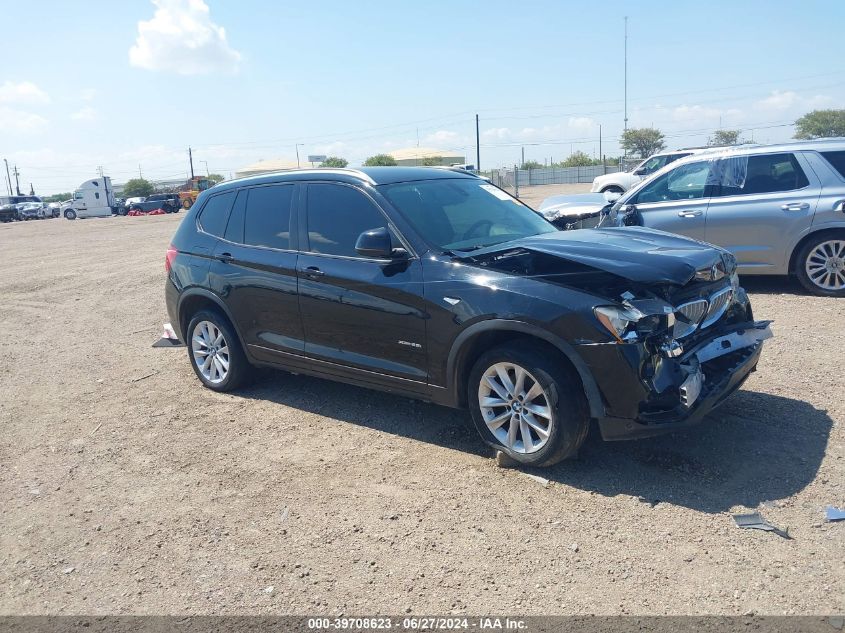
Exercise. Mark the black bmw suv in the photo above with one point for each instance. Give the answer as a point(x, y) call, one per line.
point(437, 285)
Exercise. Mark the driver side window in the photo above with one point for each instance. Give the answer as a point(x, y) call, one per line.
point(686, 182)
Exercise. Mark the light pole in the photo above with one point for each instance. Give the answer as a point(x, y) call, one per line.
point(298, 145)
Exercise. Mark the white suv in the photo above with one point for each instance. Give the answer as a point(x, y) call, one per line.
point(624, 180)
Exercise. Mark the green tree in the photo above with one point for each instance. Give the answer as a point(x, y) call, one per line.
point(58, 197)
point(138, 187)
point(643, 141)
point(724, 137)
point(532, 164)
point(334, 161)
point(380, 160)
point(820, 124)
point(432, 161)
point(579, 159)
point(216, 178)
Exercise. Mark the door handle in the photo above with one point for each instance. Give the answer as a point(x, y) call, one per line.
point(689, 214)
point(312, 271)
point(795, 206)
point(226, 258)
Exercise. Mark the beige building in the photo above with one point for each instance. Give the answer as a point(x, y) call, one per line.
point(415, 156)
point(267, 166)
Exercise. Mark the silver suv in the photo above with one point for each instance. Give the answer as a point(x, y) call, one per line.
point(780, 209)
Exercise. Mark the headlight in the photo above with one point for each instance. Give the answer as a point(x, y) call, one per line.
point(618, 321)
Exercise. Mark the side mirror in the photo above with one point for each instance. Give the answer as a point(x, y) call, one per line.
point(640, 172)
point(377, 244)
point(612, 196)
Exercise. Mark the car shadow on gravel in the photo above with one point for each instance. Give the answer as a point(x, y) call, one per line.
point(756, 447)
point(380, 411)
point(772, 285)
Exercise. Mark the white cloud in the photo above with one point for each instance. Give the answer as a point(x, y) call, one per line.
point(88, 94)
point(439, 138)
point(12, 120)
point(85, 114)
point(789, 100)
point(181, 38)
point(582, 123)
point(24, 92)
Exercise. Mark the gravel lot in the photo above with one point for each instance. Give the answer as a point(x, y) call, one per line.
point(127, 488)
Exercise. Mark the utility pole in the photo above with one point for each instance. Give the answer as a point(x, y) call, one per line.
point(191, 160)
point(207, 173)
point(297, 153)
point(17, 179)
point(140, 175)
point(477, 147)
point(8, 178)
point(600, 154)
point(626, 73)
point(523, 157)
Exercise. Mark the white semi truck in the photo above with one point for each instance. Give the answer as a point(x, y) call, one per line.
point(93, 199)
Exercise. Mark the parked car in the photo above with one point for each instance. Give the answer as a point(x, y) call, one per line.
point(620, 182)
point(167, 202)
point(33, 211)
point(55, 209)
point(151, 205)
point(440, 286)
point(780, 209)
point(9, 206)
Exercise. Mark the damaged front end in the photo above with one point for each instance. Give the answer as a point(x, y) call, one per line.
point(672, 332)
point(683, 354)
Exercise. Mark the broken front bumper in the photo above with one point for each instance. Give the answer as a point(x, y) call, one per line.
point(696, 382)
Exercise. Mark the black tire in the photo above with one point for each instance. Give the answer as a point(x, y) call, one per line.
point(187, 203)
point(569, 420)
point(240, 372)
point(613, 189)
point(70, 214)
point(807, 251)
point(122, 211)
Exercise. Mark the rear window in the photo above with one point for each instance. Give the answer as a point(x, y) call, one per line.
point(214, 214)
point(837, 161)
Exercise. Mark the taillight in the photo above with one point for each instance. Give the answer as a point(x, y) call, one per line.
point(169, 256)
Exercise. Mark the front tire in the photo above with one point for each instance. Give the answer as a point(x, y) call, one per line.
point(528, 404)
point(70, 214)
point(215, 352)
point(820, 265)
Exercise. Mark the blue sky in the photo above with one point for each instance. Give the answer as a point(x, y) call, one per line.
point(123, 84)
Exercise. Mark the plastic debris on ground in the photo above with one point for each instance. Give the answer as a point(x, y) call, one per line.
point(756, 522)
point(834, 514)
point(168, 338)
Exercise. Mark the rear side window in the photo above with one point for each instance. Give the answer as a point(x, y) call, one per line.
point(837, 160)
point(762, 173)
point(268, 216)
point(337, 215)
point(213, 216)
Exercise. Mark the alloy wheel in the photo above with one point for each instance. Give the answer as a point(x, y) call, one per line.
point(825, 265)
point(210, 352)
point(515, 407)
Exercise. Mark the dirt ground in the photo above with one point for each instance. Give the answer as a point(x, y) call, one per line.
point(125, 487)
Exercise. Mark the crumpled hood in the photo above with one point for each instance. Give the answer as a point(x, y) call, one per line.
point(573, 206)
point(635, 253)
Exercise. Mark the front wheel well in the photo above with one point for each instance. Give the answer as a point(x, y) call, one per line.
point(793, 258)
point(484, 341)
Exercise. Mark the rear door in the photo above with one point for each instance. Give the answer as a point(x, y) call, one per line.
point(761, 204)
point(676, 201)
point(254, 270)
point(358, 312)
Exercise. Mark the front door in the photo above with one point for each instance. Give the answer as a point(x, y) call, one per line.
point(762, 202)
point(676, 201)
point(356, 311)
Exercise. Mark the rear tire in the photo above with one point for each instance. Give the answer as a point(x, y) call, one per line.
point(536, 419)
point(215, 352)
point(820, 265)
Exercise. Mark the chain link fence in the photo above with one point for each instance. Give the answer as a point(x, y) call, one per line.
point(549, 176)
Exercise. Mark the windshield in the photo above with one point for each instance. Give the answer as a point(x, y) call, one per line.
point(465, 213)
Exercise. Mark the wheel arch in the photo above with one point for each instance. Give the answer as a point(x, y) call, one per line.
point(480, 337)
point(193, 300)
point(818, 231)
